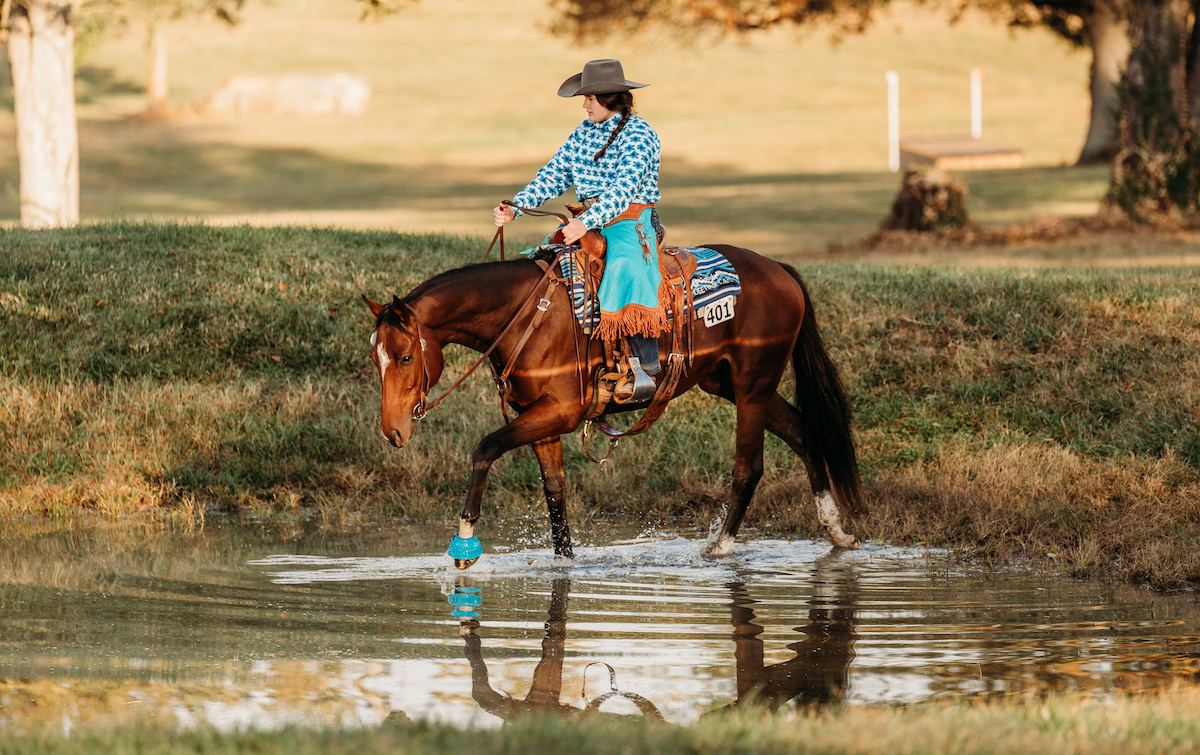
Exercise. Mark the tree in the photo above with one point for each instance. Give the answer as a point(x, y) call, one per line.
point(155, 15)
point(1098, 24)
point(41, 54)
point(1193, 67)
point(1157, 172)
point(1102, 26)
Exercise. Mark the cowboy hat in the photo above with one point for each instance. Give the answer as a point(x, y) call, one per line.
point(598, 77)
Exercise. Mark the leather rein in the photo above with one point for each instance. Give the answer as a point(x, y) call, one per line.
point(499, 236)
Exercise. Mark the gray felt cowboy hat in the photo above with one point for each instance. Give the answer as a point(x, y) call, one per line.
point(598, 77)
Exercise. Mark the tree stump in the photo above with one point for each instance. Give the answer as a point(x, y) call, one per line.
point(929, 200)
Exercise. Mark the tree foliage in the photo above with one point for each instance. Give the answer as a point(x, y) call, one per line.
point(377, 8)
point(598, 18)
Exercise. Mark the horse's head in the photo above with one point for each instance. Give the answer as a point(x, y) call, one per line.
point(409, 361)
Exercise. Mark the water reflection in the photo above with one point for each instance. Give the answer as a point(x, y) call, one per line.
point(233, 628)
point(820, 671)
point(546, 691)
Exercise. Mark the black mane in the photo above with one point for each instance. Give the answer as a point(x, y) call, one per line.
point(449, 276)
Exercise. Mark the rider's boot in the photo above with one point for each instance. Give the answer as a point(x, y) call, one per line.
point(645, 349)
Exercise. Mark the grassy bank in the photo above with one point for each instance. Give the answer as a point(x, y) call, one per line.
point(1151, 724)
point(189, 369)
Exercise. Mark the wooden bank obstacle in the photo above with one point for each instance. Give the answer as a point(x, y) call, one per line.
point(968, 152)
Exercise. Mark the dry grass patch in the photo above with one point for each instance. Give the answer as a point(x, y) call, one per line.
point(1137, 725)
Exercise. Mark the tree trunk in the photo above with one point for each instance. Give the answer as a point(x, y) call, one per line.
point(1193, 68)
point(1157, 172)
point(1109, 34)
point(41, 53)
point(157, 85)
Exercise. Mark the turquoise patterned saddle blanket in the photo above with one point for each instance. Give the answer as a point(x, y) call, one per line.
point(714, 280)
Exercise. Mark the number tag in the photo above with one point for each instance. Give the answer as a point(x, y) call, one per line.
point(719, 311)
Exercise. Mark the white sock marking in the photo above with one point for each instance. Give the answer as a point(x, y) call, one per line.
point(723, 547)
point(831, 520)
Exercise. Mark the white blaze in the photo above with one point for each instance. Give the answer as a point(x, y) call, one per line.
point(384, 359)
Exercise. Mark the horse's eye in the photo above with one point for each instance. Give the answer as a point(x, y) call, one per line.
point(373, 337)
point(406, 359)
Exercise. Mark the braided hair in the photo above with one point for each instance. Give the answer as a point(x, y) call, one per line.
point(621, 102)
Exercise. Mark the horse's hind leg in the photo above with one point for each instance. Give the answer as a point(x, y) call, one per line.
point(747, 471)
point(783, 420)
point(550, 455)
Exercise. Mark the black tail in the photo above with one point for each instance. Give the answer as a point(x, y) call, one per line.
point(824, 413)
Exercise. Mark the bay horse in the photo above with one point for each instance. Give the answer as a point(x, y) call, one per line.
point(741, 360)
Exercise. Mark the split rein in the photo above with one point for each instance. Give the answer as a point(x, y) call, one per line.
point(527, 211)
point(422, 409)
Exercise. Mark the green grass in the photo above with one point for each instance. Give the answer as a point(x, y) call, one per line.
point(1150, 724)
point(188, 367)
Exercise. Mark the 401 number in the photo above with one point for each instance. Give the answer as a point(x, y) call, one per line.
point(718, 312)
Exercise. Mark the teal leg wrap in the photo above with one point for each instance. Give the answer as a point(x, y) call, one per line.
point(465, 552)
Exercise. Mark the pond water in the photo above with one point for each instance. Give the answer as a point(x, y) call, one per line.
point(235, 627)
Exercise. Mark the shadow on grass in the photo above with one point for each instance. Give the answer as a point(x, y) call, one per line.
point(136, 169)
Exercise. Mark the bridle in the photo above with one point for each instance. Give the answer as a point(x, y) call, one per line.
point(419, 409)
point(422, 408)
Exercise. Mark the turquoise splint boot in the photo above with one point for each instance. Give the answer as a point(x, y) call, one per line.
point(465, 552)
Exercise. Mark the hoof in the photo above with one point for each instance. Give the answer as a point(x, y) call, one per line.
point(850, 543)
point(722, 548)
point(465, 552)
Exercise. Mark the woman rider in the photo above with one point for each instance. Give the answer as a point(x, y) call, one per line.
point(612, 160)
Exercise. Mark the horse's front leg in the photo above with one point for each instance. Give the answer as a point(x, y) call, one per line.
point(546, 418)
point(550, 455)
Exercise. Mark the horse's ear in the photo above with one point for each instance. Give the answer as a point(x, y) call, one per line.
point(373, 306)
point(399, 308)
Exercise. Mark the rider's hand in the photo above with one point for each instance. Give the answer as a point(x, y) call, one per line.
point(503, 214)
point(573, 231)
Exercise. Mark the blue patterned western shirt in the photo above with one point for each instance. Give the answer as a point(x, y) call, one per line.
point(627, 174)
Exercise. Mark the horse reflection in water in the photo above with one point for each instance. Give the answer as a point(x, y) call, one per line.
point(820, 672)
point(817, 675)
point(544, 696)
